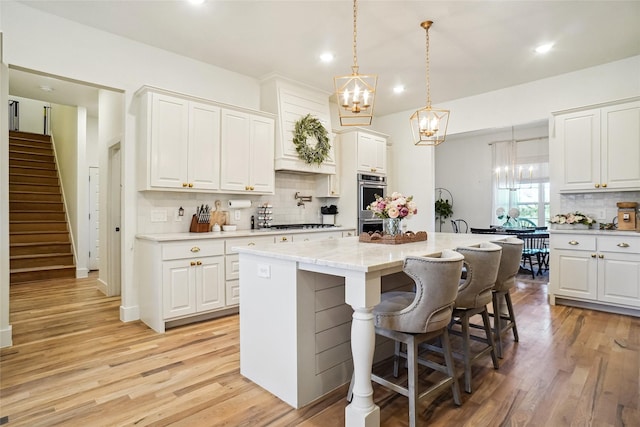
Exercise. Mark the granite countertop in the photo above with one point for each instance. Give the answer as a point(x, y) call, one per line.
point(166, 237)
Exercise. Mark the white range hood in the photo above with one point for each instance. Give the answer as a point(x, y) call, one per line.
point(291, 101)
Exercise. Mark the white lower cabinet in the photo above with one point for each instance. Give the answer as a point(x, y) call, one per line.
point(599, 269)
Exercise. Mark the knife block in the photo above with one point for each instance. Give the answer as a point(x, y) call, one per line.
point(198, 227)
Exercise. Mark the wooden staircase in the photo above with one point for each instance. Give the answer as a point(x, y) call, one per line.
point(40, 248)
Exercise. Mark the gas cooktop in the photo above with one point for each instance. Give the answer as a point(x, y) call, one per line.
point(300, 226)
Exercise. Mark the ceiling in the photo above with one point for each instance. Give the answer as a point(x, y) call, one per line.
point(476, 46)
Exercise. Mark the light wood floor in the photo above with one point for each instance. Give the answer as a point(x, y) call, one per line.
point(73, 363)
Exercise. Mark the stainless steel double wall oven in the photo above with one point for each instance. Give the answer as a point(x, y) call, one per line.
point(369, 187)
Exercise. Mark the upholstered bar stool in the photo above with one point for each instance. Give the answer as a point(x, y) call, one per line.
point(482, 262)
point(503, 316)
point(412, 318)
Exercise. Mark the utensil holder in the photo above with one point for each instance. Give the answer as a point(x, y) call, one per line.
point(198, 227)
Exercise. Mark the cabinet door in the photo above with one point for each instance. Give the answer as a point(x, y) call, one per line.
point(579, 137)
point(169, 142)
point(235, 151)
point(262, 172)
point(204, 146)
point(573, 274)
point(619, 278)
point(233, 292)
point(178, 288)
point(210, 283)
point(620, 150)
point(367, 153)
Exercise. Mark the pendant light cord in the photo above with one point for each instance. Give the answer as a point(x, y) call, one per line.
point(355, 34)
point(427, 76)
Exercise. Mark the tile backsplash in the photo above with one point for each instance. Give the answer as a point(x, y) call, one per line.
point(158, 211)
point(601, 205)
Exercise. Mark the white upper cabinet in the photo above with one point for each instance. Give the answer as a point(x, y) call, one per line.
point(292, 101)
point(597, 149)
point(372, 153)
point(247, 150)
point(179, 145)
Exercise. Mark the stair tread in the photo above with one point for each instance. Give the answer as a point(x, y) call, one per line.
point(38, 232)
point(33, 256)
point(25, 244)
point(44, 268)
point(37, 221)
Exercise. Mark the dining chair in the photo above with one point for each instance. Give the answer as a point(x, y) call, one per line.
point(459, 226)
point(413, 318)
point(535, 252)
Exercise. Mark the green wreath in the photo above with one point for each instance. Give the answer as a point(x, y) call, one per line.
point(306, 127)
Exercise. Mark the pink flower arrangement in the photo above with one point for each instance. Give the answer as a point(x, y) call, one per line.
point(396, 206)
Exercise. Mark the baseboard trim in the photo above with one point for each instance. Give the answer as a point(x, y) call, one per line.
point(129, 314)
point(102, 286)
point(82, 273)
point(6, 337)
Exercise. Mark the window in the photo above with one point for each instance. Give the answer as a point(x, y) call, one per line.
point(521, 180)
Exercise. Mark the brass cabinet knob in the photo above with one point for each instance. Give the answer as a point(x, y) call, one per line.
point(604, 185)
point(284, 239)
point(192, 263)
point(198, 262)
point(184, 184)
point(190, 185)
point(593, 255)
point(600, 256)
point(597, 185)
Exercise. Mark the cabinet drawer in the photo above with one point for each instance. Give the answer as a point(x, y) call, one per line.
point(575, 242)
point(191, 249)
point(246, 241)
point(284, 238)
point(309, 237)
point(623, 244)
point(233, 292)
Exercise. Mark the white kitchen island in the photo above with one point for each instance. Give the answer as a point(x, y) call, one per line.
point(295, 335)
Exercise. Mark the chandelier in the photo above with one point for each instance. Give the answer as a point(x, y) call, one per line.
point(429, 125)
point(509, 174)
point(355, 92)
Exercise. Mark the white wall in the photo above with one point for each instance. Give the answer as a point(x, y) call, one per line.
point(6, 339)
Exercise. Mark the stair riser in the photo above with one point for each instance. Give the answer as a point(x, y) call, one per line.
point(48, 261)
point(37, 188)
point(19, 172)
point(41, 249)
point(37, 206)
point(37, 226)
point(29, 163)
point(35, 197)
point(33, 276)
point(37, 216)
point(34, 180)
point(39, 238)
point(36, 148)
point(15, 155)
point(28, 136)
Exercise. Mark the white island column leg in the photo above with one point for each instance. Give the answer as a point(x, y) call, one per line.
point(362, 293)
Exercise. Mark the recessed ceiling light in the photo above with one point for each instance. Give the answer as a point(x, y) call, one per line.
point(398, 89)
point(326, 57)
point(46, 88)
point(544, 48)
point(196, 1)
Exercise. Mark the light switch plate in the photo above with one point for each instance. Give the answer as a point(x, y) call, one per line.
point(236, 215)
point(264, 271)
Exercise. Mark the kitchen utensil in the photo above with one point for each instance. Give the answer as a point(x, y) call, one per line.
point(217, 216)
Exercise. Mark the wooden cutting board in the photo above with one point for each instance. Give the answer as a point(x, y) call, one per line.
point(217, 216)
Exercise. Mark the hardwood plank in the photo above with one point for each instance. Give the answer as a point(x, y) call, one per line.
point(74, 363)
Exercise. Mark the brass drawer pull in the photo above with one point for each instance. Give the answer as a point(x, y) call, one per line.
point(251, 244)
point(623, 245)
point(195, 249)
point(198, 262)
point(192, 263)
point(573, 242)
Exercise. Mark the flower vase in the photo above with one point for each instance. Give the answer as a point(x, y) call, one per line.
point(392, 226)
